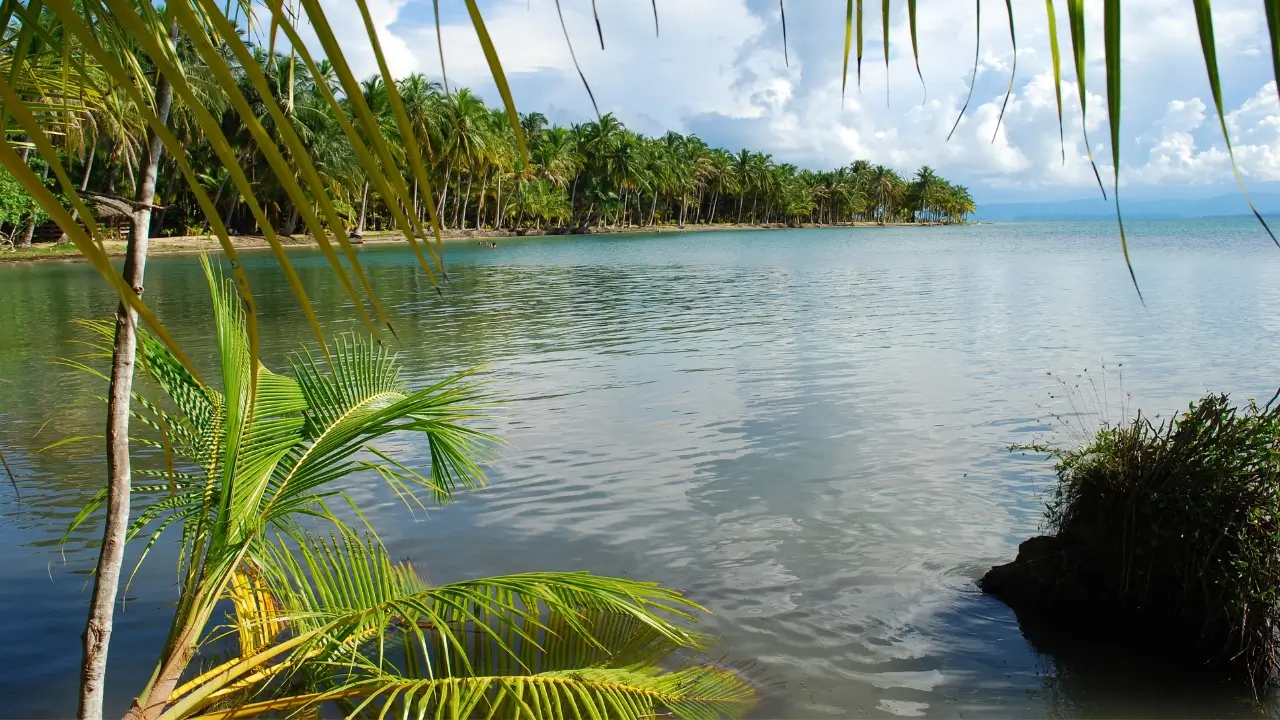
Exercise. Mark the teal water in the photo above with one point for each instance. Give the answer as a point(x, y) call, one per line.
point(805, 430)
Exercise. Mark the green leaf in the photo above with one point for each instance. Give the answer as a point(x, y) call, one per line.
point(1272, 9)
point(977, 48)
point(1204, 23)
point(782, 11)
point(574, 57)
point(1075, 21)
point(915, 45)
point(499, 77)
point(1013, 72)
point(884, 21)
point(848, 40)
point(1111, 36)
point(1056, 57)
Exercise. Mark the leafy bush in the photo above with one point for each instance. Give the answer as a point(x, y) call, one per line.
point(16, 204)
point(1179, 522)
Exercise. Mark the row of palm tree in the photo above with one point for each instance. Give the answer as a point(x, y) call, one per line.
point(592, 174)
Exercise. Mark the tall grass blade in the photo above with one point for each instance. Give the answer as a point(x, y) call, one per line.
point(848, 42)
point(782, 11)
point(1056, 57)
point(444, 75)
point(573, 56)
point(1075, 21)
point(599, 31)
point(500, 77)
point(977, 48)
point(884, 26)
point(1204, 22)
point(859, 63)
point(217, 141)
point(413, 228)
point(1111, 39)
point(1272, 9)
point(915, 46)
point(1013, 71)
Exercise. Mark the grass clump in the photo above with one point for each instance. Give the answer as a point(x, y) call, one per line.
point(1180, 522)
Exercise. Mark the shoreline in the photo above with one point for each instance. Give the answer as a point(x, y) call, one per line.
point(190, 244)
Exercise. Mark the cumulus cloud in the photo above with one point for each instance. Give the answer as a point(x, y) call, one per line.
point(718, 69)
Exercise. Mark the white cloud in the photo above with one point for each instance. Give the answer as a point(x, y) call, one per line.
point(718, 70)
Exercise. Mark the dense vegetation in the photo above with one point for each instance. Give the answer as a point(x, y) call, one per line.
point(1174, 525)
point(596, 173)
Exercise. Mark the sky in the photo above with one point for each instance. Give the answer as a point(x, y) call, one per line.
point(718, 69)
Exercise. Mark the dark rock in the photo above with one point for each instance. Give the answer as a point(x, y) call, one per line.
point(1033, 577)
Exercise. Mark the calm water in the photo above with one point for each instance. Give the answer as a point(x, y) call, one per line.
point(805, 430)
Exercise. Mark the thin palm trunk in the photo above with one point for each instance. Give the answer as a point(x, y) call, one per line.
point(97, 632)
point(444, 195)
point(417, 211)
point(711, 219)
point(466, 198)
point(29, 227)
point(364, 207)
point(497, 202)
point(653, 208)
point(84, 182)
point(88, 164)
point(741, 198)
point(484, 185)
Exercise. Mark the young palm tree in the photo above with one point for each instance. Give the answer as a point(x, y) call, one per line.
point(328, 617)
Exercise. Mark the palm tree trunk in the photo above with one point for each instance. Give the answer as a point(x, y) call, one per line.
point(711, 220)
point(84, 182)
point(741, 198)
point(364, 206)
point(653, 208)
point(444, 195)
point(29, 227)
point(88, 164)
point(497, 215)
point(484, 183)
point(97, 632)
point(417, 211)
point(113, 167)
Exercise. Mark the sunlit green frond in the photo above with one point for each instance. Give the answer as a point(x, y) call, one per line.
point(1055, 56)
point(977, 50)
point(699, 693)
point(348, 589)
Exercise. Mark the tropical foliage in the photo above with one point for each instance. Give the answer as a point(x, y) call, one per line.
point(91, 83)
point(320, 612)
point(590, 174)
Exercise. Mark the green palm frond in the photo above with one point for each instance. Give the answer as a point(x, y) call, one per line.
point(374, 631)
point(697, 693)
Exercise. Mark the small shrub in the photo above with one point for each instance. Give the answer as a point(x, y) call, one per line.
point(1179, 522)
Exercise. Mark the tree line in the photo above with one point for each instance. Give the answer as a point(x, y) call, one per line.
point(591, 174)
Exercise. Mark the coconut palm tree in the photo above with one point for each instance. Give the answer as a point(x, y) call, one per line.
point(257, 455)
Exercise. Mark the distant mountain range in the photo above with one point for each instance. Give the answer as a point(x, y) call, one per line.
point(1152, 209)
